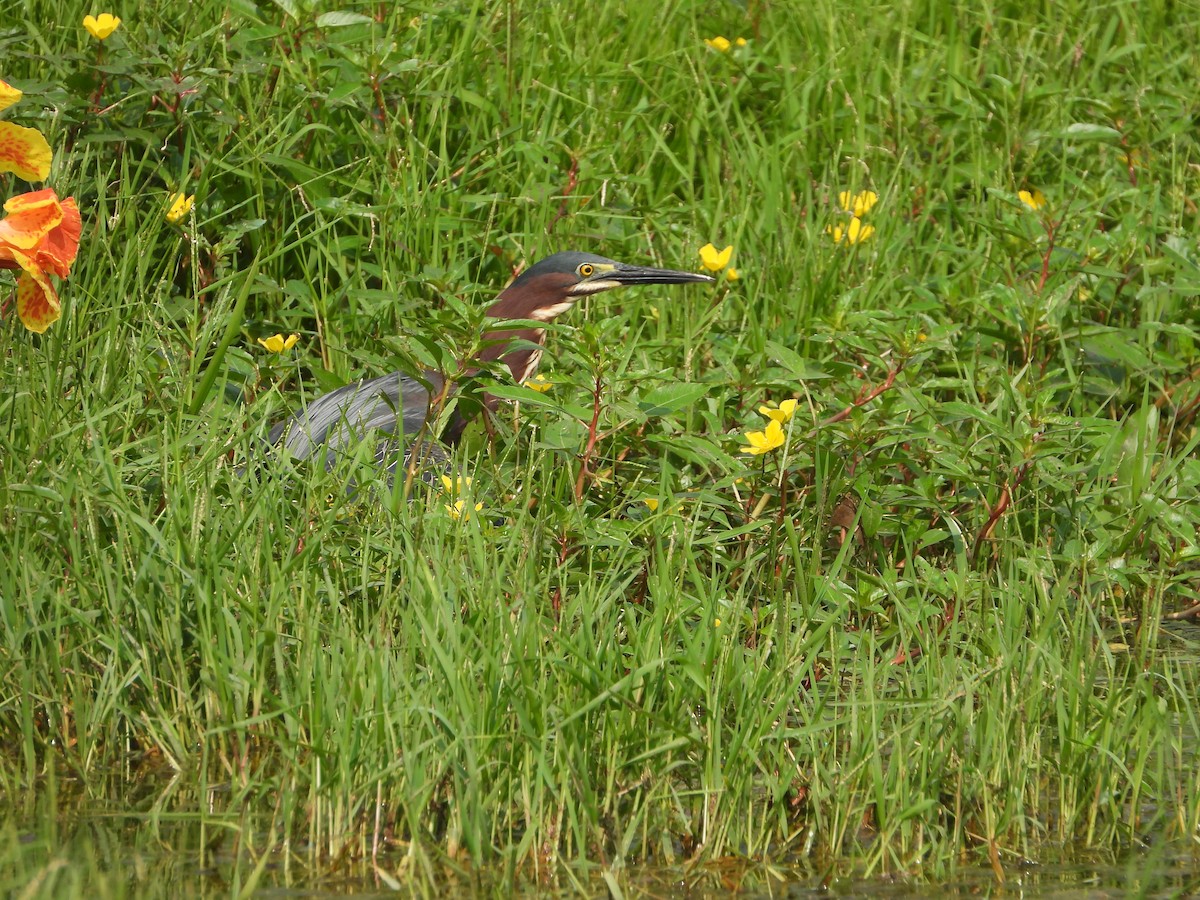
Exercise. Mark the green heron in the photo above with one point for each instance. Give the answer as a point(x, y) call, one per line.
point(387, 408)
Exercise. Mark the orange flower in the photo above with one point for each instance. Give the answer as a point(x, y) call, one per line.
point(8, 94)
point(39, 236)
point(23, 151)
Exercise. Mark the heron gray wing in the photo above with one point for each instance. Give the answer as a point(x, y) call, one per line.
point(393, 404)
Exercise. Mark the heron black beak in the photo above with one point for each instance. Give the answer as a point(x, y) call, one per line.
point(624, 274)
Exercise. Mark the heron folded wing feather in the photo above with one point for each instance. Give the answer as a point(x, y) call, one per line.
point(392, 404)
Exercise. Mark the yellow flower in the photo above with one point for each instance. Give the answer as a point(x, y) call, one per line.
point(854, 233)
point(455, 486)
point(651, 502)
point(23, 151)
point(1034, 199)
point(101, 26)
point(858, 204)
point(740, 42)
point(181, 205)
point(277, 343)
point(539, 383)
point(713, 259)
point(458, 510)
point(782, 414)
point(765, 441)
point(718, 43)
point(732, 274)
point(716, 623)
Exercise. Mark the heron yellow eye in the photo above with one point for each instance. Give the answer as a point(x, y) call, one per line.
point(586, 270)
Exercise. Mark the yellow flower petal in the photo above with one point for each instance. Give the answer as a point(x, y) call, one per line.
point(1034, 199)
point(718, 43)
point(455, 486)
point(713, 259)
point(651, 502)
point(277, 343)
point(101, 26)
point(770, 438)
point(740, 42)
point(853, 233)
point(181, 205)
point(858, 231)
point(8, 95)
point(24, 152)
point(781, 414)
point(458, 510)
point(732, 274)
point(539, 383)
point(857, 204)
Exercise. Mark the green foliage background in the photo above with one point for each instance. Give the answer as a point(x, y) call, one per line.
point(928, 631)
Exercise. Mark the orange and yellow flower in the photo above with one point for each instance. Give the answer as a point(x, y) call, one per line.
point(40, 236)
point(23, 151)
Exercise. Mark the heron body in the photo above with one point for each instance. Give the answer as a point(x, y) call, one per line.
point(386, 409)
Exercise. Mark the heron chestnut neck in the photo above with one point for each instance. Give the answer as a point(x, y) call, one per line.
point(548, 289)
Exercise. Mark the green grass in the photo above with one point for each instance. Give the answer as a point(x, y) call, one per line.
point(928, 633)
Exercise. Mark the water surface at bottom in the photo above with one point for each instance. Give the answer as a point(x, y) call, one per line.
point(59, 842)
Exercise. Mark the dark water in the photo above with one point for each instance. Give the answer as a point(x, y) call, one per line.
point(72, 845)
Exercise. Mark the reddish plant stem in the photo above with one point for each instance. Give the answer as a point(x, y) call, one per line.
point(1002, 505)
point(593, 436)
point(572, 181)
point(865, 396)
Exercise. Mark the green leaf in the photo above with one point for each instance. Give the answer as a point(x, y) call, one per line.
point(671, 398)
point(340, 19)
point(799, 366)
point(521, 394)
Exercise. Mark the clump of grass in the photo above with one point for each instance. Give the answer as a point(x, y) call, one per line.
point(927, 627)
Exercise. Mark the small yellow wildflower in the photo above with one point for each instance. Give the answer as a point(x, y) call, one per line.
point(455, 486)
point(739, 42)
point(1034, 199)
point(277, 343)
point(854, 233)
point(651, 502)
point(539, 383)
point(766, 440)
point(181, 205)
point(716, 623)
point(101, 26)
point(459, 512)
point(858, 204)
point(732, 274)
point(713, 259)
point(782, 414)
point(720, 44)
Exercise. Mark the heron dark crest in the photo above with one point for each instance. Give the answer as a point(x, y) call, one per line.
point(393, 406)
